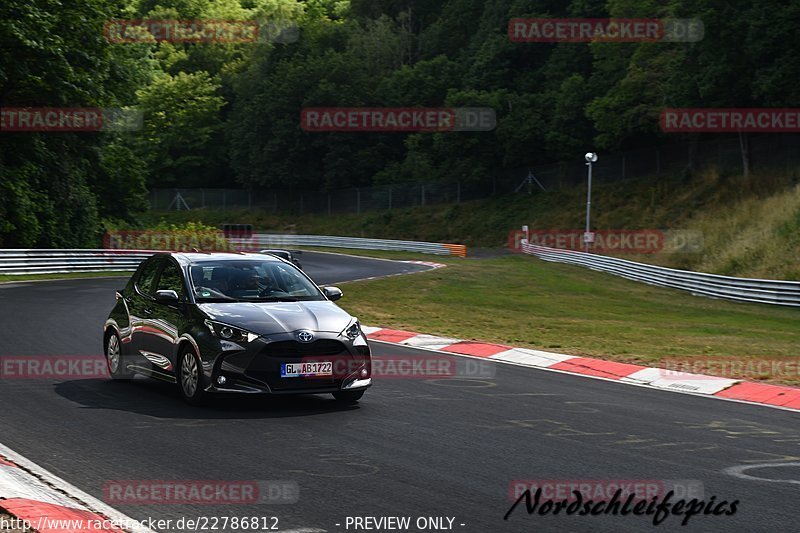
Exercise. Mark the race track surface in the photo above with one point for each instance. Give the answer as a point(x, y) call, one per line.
point(412, 447)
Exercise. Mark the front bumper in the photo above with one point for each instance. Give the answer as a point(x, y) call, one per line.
point(254, 368)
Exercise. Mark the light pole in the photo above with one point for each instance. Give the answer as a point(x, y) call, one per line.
point(591, 158)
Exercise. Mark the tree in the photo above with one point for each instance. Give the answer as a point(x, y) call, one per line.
point(181, 118)
point(54, 55)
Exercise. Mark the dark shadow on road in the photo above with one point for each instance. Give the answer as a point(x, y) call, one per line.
point(162, 400)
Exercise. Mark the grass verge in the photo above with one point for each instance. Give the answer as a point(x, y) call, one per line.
point(525, 302)
point(4, 278)
point(750, 225)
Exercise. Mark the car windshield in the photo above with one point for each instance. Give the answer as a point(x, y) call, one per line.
point(250, 280)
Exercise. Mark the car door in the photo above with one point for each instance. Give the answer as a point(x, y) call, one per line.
point(167, 321)
point(140, 308)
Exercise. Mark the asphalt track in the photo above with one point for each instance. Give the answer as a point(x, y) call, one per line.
point(412, 447)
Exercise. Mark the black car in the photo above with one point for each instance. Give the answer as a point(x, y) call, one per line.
point(235, 323)
point(285, 254)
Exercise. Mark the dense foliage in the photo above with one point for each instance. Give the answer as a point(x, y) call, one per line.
point(227, 114)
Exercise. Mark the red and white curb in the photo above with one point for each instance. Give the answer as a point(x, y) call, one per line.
point(51, 505)
point(780, 397)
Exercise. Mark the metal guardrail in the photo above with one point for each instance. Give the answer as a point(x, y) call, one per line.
point(269, 240)
point(711, 285)
point(37, 261)
point(32, 261)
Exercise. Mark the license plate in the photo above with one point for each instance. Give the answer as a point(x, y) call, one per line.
point(299, 370)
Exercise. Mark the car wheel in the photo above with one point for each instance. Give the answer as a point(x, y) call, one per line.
point(348, 396)
point(116, 366)
point(190, 378)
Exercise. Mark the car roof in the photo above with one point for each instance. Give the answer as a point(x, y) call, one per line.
point(186, 258)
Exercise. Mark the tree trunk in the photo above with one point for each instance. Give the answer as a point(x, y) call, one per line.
point(744, 147)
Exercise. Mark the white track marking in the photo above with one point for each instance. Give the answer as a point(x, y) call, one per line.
point(528, 357)
point(430, 342)
point(574, 374)
point(60, 486)
point(665, 379)
point(17, 483)
point(739, 471)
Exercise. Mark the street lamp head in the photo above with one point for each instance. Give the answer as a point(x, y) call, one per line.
point(591, 157)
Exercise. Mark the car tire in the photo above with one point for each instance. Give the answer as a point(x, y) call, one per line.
point(114, 360)
point(190, 377)
point(348, 396)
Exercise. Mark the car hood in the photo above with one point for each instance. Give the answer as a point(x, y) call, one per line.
point(268, 318)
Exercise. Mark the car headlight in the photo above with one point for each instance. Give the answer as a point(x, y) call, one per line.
point(229, 333)
point(352, 331)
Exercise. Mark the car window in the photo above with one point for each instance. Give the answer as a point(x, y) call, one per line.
point(144, 283)
point(288, 279)
point(170, 279)
point(249, 280)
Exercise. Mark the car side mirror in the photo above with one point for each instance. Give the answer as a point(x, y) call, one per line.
point(333, 293)
point(167, 297)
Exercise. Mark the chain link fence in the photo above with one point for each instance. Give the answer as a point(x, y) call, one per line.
point(780, 152)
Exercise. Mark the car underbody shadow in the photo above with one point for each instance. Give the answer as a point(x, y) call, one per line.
point(162, 400)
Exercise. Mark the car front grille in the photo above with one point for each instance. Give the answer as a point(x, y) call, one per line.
point(299, 350)
point(266, 366)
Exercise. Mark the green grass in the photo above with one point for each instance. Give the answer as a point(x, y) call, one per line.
point(4, 278)
point(524, 302)
point(751, 225)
